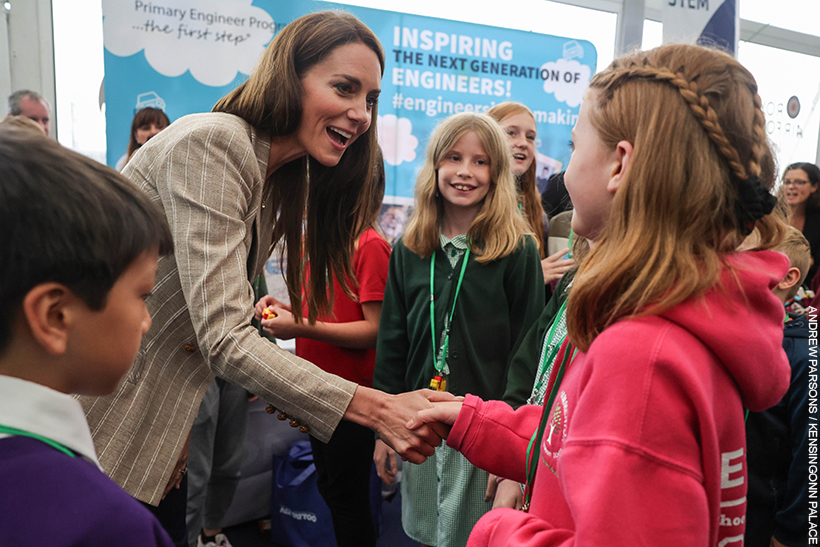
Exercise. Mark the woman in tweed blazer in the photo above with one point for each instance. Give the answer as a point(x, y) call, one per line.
point(233, 183)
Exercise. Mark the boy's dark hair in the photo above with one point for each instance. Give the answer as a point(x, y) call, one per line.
point(67, 219)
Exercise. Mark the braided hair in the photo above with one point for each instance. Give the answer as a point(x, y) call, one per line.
point(698, 182)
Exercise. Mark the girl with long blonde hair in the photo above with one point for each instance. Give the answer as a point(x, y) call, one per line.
point(464, 286)
point(672, 333)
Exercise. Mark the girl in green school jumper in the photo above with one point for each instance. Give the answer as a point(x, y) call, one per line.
point(464, 287)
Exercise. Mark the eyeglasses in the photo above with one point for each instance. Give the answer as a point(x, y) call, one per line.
point(795, 182)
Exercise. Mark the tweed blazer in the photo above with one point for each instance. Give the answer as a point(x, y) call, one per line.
point(207, 171)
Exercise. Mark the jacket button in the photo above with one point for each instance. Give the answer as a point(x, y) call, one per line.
point(282, 416)
point(189, 347)
point(269, 409)
point(455, 355)
point(304, 428)
point(294, 423)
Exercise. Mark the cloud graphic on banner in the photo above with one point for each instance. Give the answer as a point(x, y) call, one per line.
point(211, 38)
point(567, 79)
point(396, 139)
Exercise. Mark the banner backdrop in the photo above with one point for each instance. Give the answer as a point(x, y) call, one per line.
point(183, 55)
point(706, 22)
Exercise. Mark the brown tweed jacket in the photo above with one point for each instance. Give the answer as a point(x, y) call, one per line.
point(207, 172)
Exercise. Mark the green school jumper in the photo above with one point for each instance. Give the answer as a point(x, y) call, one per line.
point(443, 498)
point(524, 364)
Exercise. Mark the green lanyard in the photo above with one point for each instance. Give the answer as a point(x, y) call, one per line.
point(447, 320)
point(547, 360)
point(49, 442)
point(534, 448)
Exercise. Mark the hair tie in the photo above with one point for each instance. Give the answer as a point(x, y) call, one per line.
point(753, 203)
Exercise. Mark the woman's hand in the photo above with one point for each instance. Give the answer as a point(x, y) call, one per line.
point(382, 456)
point(508, 494)
point(267, 302)
point(282, 326)
point(389, 415)
point(179, 469)
point(554, 266)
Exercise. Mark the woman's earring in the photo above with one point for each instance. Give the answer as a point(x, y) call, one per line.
point(438, 194)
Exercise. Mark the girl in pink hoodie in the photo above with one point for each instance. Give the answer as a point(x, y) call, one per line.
point(671, 333)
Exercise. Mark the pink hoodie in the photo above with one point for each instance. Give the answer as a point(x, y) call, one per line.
point(646, 443)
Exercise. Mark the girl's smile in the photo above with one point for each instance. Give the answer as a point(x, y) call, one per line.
point(521, 132)
point(464, 174)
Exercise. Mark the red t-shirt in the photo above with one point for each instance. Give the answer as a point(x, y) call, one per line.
point(370, 263)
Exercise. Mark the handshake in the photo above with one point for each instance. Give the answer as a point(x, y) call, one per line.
point(413, 424)
point(431, 415)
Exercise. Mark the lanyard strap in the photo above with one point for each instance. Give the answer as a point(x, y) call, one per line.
point(447, 320)
point(534, 448)
point(21, 433)
point(548, 359)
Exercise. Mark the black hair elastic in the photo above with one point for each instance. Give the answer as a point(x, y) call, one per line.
point(753, 203)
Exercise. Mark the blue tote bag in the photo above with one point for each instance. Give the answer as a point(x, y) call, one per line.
point(299, 516)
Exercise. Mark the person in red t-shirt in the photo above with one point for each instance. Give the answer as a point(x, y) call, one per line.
point(344, 343)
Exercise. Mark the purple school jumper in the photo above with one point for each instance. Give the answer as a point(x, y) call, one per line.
point(49, 498)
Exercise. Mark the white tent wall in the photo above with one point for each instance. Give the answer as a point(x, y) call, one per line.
point(27, 50)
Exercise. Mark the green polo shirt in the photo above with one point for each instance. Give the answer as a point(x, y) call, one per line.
point(454, 248)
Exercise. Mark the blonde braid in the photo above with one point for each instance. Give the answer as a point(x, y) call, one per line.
point(759, 129)
point(698, 104)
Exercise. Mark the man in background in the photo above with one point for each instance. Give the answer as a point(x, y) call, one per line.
point(32, 105)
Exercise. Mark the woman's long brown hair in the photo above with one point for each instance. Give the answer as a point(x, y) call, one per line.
point(319, 210)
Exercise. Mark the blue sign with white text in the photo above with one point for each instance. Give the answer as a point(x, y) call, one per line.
point(186, 54)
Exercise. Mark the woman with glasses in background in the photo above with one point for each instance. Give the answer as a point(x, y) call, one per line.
point(799, 192)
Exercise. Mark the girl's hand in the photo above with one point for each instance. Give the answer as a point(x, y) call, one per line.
point(492, 487)
point(382, 455)
point(444, 412)
point(282, 326)
point(554, 266)
point(508, 494)
point(267, 302)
